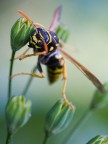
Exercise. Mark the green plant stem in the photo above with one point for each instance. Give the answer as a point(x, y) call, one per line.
point(29, 82)
point(45, 138)
point(81, 120)
point(10, 73)
point(9, 138)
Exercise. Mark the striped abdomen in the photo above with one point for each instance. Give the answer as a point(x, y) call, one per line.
point(55, 67)
point(54, 73)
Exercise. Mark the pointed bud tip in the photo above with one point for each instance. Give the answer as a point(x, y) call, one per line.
point(100, 139)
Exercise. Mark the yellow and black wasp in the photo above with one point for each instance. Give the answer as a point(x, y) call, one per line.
point(46, 46)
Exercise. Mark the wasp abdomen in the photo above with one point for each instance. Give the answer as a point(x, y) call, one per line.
point(54, 73)
point(55, 67)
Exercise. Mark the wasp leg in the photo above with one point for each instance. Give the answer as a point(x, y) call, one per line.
point(40, 70)
point(20, 56)
point(34, 54)
point(64, 87)
point(35, 75)
point(31, 74)
point(37, 53)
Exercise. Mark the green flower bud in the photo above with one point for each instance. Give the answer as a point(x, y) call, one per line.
point(99, 140)
point(62, 32)
point(99, 99)
point(20, 33)
point(58, 118)
point(18, 112)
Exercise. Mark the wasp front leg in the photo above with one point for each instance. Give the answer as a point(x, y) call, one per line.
point(22, 55)
point(64, 86)
point(34, 54)
point(37, 53)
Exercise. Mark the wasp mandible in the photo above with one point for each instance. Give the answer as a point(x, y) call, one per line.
point(46, 46)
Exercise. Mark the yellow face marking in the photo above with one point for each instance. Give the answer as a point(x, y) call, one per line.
point(41, 35)
point(37, 47)
point(35, 39)
point(32, 42)
point(39, 41)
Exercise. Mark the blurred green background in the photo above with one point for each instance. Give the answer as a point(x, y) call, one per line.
point(88, 24)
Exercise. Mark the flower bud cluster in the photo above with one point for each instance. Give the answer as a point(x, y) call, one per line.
point(20, 33)
point(58, 118)
point(18, 112)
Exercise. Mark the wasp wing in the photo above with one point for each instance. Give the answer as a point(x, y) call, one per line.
point(56, 19)
point(85, 71)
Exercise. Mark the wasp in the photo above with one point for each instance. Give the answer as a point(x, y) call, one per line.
point(46, 45)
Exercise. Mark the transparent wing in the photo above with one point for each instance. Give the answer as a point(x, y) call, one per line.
point(85, 71)
point(56, 19)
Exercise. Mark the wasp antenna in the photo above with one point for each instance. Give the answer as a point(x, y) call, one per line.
point(38, 25)
point(24, 15)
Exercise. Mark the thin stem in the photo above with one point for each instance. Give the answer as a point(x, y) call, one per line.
point(10, 73)
point(29, 82)
point(30, 79)
point(83, 118)
point(45, 138)
point(9, 138)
